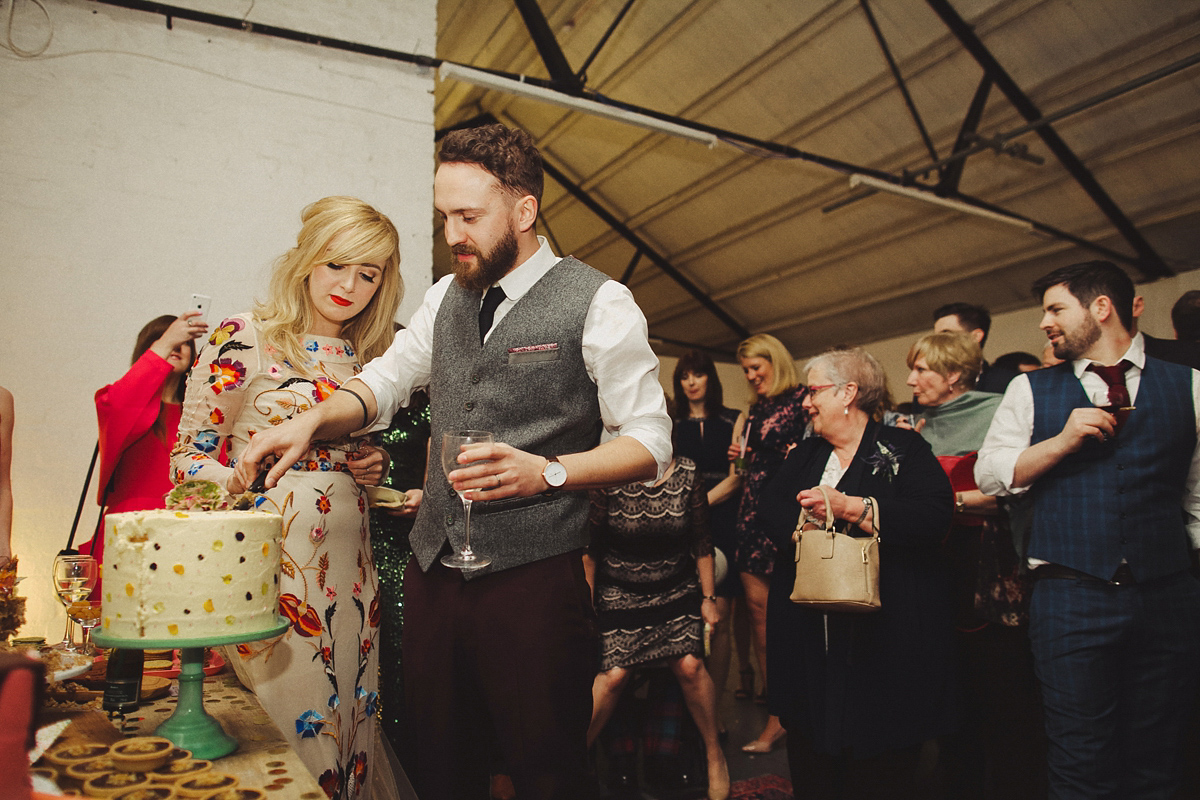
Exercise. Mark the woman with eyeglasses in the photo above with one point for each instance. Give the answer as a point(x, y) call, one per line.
point(860, 693)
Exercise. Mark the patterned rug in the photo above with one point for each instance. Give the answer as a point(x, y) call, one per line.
point(764, 787)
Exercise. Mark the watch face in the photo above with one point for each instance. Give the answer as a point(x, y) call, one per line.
point(555, 474)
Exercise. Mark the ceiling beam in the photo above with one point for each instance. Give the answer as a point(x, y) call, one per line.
point(952, 173)
point(1150, 263)
point(900, 84)
point(547, 46)
point(644, 248)
point(582, 74)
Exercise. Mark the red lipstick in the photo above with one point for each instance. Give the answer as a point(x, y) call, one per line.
point(341, 301)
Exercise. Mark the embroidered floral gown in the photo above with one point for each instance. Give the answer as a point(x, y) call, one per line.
point(318, 680)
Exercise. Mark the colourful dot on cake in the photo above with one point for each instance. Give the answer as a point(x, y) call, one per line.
point(173, 629)
point(265, 588)
point(107, 622)
point(208, 605)
point(227, 578)
point(239, 536)
point(266, 548)
point(179, 569)
point(229, 620)
point(249, 596)
point(129, 590)
point(108, 597)
point(153, 566)
point(218, 544)
point(159, 607)
point(181, 515)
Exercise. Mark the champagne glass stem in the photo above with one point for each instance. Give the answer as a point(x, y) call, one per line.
point(466, 551)
point(68, 641)
point(86, 646)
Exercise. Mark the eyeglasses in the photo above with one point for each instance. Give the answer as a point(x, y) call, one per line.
point(812, 390)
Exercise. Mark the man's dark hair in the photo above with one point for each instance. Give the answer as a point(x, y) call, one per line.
point(1015, 360)
point(507, 153)
point(1185, 316)
point(969, 316)
point(1090, 279)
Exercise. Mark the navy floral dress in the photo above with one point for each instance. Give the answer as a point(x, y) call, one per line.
point(775, 425)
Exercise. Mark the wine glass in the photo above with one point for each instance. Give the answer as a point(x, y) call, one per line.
point(452, 445)
point(87, 614)
point(1102, 400)
point(74, 579)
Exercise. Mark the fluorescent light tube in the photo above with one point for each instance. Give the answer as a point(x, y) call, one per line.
point(930, 197)
point(518, 87)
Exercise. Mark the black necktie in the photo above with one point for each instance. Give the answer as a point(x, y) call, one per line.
point(487, 311)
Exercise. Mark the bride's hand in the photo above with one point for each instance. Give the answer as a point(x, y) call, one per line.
point(368, 464)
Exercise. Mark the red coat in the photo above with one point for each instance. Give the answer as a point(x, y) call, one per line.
point(134, 462)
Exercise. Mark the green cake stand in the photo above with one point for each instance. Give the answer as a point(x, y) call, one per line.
point(191, 727)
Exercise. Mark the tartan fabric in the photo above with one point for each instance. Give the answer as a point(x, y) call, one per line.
point(1120, 499)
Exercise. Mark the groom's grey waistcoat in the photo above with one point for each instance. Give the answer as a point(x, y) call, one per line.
point(529, 386)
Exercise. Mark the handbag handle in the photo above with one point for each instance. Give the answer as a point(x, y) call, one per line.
point(807, 516)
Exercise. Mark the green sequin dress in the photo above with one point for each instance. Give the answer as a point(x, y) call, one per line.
point(405, 442)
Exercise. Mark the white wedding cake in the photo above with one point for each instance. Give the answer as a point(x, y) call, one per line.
point(190, 574)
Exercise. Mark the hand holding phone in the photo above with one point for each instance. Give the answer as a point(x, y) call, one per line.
point(200, 302)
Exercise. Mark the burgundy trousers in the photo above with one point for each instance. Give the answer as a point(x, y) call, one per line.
point(499, 665)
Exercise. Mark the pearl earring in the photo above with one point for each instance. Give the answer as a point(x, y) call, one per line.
point(846, 411)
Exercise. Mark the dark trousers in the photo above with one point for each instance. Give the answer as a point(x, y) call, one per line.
point(890, 775)
point(1118, 666)
point(502, 662)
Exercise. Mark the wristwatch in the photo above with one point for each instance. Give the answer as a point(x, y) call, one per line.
point(554, 473)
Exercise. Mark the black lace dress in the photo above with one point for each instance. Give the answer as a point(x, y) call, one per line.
point(645, 542)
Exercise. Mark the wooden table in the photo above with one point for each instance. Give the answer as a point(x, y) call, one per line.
point(263, 760)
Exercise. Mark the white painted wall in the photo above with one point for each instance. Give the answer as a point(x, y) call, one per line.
point(142, 164)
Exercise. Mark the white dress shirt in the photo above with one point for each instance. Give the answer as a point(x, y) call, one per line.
point(1011, 432)
point(616, 354)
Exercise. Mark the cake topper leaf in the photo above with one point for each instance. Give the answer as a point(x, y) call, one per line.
point(198, 496)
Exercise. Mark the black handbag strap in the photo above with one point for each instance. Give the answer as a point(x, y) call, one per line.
point(70, 550)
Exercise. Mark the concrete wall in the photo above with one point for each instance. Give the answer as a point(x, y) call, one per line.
point(142, 164)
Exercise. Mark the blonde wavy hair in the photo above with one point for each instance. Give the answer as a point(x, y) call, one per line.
point(766, 346)
point(369, 236)
point(949, 352)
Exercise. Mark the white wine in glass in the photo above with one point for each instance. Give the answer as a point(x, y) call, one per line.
point(452, 445)
point(74, 578)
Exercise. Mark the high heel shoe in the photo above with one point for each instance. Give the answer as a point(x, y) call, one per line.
point(718, 784)
point(762, 746)
point(745, 691)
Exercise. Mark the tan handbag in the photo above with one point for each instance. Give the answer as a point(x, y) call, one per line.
point(834, 571)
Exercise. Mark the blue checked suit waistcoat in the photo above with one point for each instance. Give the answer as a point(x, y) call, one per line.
point(1119, 499)
point(538, 399)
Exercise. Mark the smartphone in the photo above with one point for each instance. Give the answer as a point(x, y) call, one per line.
point(200, 302)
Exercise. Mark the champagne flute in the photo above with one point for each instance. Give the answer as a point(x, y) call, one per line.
point(87, 614)
point(452, 445)
point(74, 579)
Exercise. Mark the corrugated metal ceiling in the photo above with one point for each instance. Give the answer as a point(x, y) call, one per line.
point(752, 230)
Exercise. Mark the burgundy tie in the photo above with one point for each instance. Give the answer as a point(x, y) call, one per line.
point(1118, 393)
